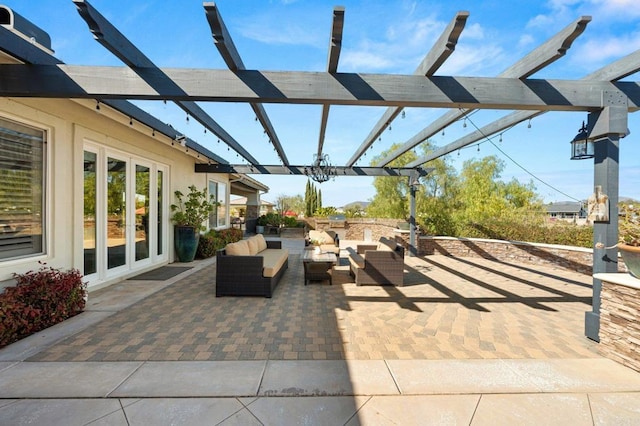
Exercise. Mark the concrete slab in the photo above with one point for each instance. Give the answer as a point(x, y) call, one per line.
point(422, 377)
point(182, 411)
point(5, 365)
point(615, 408)
point(4, 402)
point(327, 377)
point(53, 412)
point(114, 419)
point(417, 410)
point(23, 349)
point(533, 409)
point(193, 379)
point(63, 379)
point(322, 410)
point(576, 375)
point(241, 418)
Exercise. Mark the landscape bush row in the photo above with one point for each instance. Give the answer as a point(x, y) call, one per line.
point(39, 300)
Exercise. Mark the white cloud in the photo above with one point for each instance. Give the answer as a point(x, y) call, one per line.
point(599, 49)
point(526, 40)
point(364, 60)
point(265, 32)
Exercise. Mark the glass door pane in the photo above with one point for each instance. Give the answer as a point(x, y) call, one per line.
point(90, 185)
point(160, 235)
point(116, 213)
point(142, 212)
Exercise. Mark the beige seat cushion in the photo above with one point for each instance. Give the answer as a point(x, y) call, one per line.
point(262, 243)
point(320, 236)
point(253, 245)
point(239, 248)
point(273, 261)
point(384, 247)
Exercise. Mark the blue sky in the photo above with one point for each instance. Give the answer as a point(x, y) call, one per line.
point(380, 36)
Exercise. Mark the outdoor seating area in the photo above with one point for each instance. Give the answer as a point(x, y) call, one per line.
point(250, 267)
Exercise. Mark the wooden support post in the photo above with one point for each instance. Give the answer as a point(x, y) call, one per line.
point(612, 120)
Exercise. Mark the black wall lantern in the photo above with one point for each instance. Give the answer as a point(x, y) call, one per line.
point(581, 146)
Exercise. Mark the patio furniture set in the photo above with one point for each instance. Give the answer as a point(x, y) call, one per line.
point(254, 266)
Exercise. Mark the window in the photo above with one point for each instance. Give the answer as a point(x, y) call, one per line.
point(22, 172)
point(219, 216)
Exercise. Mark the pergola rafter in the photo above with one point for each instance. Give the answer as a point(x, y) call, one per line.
point(615, 71)
point(114, 41)
point(545, 54)
point(227, 48)
point(439, 53)
point(335, 47)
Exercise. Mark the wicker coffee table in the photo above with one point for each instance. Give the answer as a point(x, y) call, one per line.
point(318, 266)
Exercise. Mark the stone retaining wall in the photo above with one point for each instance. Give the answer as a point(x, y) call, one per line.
point(354, 229)
point(572, 258)
point(620, 323)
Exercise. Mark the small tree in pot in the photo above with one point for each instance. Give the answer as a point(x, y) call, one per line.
point(189, 214)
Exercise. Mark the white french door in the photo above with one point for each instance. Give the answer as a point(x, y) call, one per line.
point(125, 211)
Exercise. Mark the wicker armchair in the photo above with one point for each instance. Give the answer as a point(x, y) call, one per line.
point(378, 264)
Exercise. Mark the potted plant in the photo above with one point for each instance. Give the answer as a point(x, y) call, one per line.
point(189, 214)
point(629, 238)
point(262, 222)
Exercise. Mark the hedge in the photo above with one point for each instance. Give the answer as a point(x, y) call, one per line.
point(39, 300)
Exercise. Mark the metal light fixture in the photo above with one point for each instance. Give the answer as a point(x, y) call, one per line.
point(321, 170)
point(581, 147)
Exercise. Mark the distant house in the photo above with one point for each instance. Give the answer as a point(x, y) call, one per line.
point(238, 207)
point(570, 211)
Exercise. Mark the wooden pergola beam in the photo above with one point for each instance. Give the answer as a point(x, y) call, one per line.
point(115, 42)
point(615, 71)
point(307, 88)
point(439, 53)
point(547, 53)
point(336, 171)
point(335, 47)
point(227, 48)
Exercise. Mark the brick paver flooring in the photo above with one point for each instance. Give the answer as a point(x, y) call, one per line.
point(464, 308)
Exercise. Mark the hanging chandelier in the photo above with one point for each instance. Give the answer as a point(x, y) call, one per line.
point(321, 169)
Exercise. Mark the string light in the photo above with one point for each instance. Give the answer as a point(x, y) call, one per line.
point(130, 121)
point(153, 132)
point(500, 140)
point(187, 118)
point(464, 123)
point(529, 124)
point(442, 132)
point(403, 114)
point(478, 147)
point(97, 105)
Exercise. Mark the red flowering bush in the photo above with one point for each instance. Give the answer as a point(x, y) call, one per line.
point(39, 300)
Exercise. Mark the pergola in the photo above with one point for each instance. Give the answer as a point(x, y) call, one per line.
point(601, 94)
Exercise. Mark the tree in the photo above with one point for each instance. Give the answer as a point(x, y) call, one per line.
point(392, 193)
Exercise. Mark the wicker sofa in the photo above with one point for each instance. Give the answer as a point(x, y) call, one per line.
point(329, 241)
point(251, 267)
point(381, 263)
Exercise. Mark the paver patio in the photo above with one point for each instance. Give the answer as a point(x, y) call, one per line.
point(449, 308)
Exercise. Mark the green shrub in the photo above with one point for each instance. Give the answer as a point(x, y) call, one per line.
point(270, 219)
point(39, 300)
point(214, 240)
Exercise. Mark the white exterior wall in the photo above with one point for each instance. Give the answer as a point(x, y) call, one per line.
point(69, 126)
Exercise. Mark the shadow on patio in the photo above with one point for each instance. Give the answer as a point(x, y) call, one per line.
point(449, 308)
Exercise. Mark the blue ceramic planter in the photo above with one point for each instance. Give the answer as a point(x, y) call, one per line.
point(186, 242)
